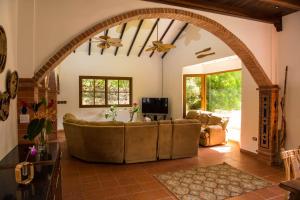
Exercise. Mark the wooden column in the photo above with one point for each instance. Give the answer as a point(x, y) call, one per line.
point(268, 123)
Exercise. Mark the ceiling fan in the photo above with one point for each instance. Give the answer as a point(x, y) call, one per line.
point(106, 42)
point(202, 54)
point(159, 46)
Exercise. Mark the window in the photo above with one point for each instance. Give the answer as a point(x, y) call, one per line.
point(101, 91)
point(211, 92)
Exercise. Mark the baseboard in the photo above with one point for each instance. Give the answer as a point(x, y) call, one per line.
point(248, 152)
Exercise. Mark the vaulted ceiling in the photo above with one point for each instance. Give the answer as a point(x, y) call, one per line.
point(137, 36)
point(269, 11)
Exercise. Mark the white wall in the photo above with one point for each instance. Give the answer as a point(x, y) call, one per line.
point(289, 55)
point(250, 112)
point(8, 128)
point(217, 65)
point(57, 21)
point(146, 76)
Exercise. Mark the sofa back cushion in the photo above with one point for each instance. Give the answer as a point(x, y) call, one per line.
point(214, 120)
point(192, 115)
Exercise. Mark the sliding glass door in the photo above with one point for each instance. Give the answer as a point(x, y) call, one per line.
point(193, 93)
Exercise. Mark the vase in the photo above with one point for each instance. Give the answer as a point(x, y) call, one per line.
point(131, 114)
point(42, 141)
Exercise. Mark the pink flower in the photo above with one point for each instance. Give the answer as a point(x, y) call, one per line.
point(33, 150)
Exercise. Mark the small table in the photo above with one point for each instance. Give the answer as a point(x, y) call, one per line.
point(293, 186)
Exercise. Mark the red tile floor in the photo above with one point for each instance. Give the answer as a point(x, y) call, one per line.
point(81, 180)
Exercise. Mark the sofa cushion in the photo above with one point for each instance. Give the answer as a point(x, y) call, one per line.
point(203, 118)
point(152, 123)
point(192, 115)
point(214, 120)
point(105, 123)
point(164, 122)
point(69, 116)
point(185, 121)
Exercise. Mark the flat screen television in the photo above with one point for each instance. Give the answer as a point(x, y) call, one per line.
point(155, 105)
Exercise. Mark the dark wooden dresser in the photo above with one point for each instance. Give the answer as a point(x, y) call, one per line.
point(46, 184)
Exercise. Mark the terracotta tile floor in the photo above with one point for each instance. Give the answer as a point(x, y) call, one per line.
point(81, 180)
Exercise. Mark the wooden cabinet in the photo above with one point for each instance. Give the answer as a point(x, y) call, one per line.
point(46, 184)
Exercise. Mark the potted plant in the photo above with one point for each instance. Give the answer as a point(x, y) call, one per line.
point(41, 123)
point(112, 113)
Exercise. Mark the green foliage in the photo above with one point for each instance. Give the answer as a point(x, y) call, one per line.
point(224, 91)
point(193, 97)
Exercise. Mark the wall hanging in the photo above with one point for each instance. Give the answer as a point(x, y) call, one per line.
point(12, 84)
point(4, 105)
point(3, 49)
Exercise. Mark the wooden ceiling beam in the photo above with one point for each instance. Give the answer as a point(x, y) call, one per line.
point(147, 39)
point(135, 35)
point(164, 34)
point(290, 4)
point(218, 8)
point(176, 38)
point(105, 33)
point(121, 36)
point(90, 47)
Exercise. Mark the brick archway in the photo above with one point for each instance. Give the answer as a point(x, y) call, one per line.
point(268, 93)
point(212, 26)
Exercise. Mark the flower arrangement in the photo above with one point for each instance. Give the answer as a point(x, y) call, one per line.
point(134, 109)
point(112, 113)
point(41, 122)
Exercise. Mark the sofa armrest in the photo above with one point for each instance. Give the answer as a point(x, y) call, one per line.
point(216, 134)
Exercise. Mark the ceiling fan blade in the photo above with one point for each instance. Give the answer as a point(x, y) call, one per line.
point(204, 55)
point(103, 45)
point(204, 50)
point(168, 46)
point(114, 40)
point(116, 44)
point(157, 43)
point(151, 49)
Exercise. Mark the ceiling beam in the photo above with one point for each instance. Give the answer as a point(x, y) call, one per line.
point(290, 4)
point(150, 34)
point(164, 34)
point(106, 33)
point(121, 36)
point(90, 46)
point(218, 8)
point(176, 38)
point(135, 35)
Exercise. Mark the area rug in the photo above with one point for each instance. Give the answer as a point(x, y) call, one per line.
point(215, 182)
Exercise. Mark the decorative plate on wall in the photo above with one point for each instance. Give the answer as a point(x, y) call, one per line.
point(3, 49)
point(12, 84)
point(4, 105)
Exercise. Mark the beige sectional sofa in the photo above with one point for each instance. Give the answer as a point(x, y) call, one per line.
point(213, 128)
point(132, 142)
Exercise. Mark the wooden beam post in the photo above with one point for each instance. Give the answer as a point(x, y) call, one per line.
point(121, 36)
point(135, 35)
point(150, 34)
point(106, 33)
point(90, 46)
point(164, 34)
point(176, 38)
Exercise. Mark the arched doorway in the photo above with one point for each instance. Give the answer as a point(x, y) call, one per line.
point(268, 93)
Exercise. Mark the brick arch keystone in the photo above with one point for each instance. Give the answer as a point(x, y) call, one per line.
point(210, 25)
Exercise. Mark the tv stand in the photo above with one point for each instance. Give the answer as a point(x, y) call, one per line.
point(155, 116)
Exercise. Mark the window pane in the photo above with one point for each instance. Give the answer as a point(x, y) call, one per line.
point(224, 91)
point(112, 98)
point(112, 85)
point(99, 98)
point(124, 86)
point(124, 98)
point(87, 84)
point(100, 85)
point(87, 98)
point(193, 93)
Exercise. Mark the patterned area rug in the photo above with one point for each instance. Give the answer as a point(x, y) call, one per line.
point(210, 183)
